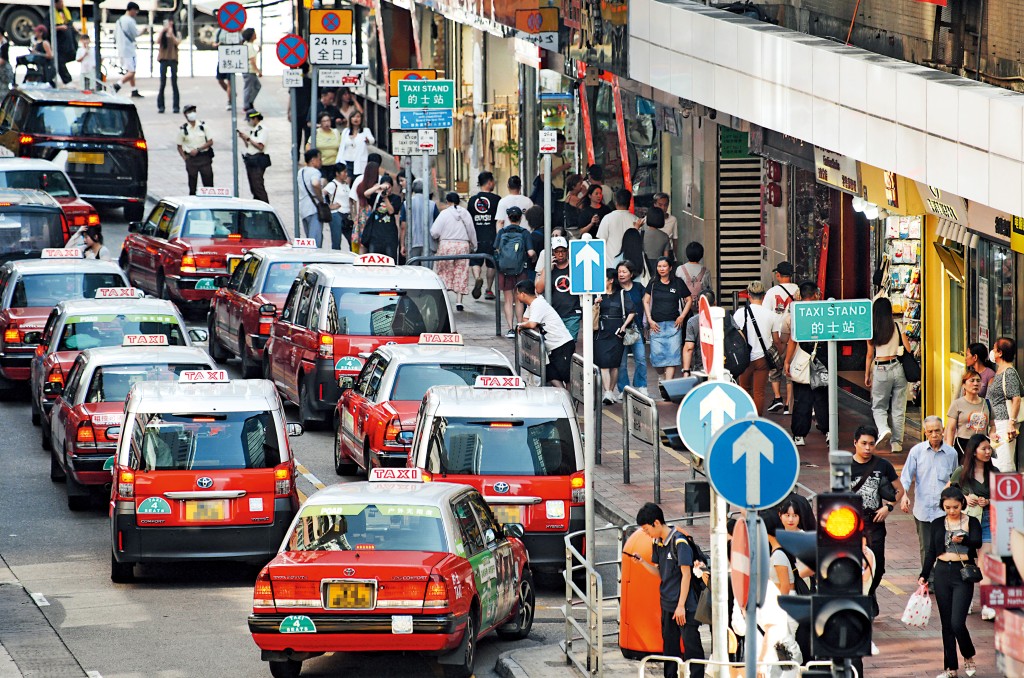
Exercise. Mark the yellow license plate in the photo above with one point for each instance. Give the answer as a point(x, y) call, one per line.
point(349, 596)
point(508, 514)
point(199, 511)
point(233, 264)
point(78, 158)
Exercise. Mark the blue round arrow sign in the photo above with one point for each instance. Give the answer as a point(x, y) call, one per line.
point(753, 463)
point(709, 407)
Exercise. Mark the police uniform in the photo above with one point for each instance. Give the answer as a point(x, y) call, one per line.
point(256, 160)
point(192, 137)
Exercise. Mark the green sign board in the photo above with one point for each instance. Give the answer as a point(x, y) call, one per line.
point(426, 94)
point(843, 320)
point(735, 144)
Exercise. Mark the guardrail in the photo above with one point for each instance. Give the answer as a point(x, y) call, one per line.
point(640, 420)
point(686, 665)
point(576, 394)
point(531, 354)
point(471, 258)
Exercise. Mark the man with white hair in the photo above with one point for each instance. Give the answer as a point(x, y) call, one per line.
point(928, 468)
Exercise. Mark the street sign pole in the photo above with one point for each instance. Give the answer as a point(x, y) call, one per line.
point(191, 42)
point(719, 521)
point(296, 137)
point(234, 136)
point(587, 329)
point(314, 72)
point(547, 229)
point(408, 207)
point(833, 398)
point(754, 535)
point(427, 202)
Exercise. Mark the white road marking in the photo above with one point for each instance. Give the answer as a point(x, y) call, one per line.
point(309, 476)
point(39, 599)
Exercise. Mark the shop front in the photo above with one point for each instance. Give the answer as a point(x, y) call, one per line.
point(992, 272)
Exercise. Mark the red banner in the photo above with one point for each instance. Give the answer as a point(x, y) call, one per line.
point(940, 3)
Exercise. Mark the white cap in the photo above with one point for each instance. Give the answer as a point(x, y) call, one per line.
point(558, 241)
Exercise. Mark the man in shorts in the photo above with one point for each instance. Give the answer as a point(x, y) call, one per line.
point(541, 317)
point(483, 207)
point(125, 33)
point(510, 276)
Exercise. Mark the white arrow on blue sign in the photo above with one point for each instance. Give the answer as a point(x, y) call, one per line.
point(708, 408)
point(753, 463)
point(586, 266)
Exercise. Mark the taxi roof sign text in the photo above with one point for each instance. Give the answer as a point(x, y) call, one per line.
point(304, 243)
point(203, 377)
point(144, 340)
point(61, 253)
point(118, 293)
point(374, 260)
point(484, 381)
point(438, 339)
point(396, 475)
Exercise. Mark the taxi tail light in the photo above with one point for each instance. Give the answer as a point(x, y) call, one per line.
point(283, 480)
point(436, 594)
point(208, 261)
point(140, 144)
point(400, 592)
point(294, 593)
point(26, 139)
point(263, 592)
point(326, 350)
point(93, 219)
point(65, 227)
point(266, 322)
point(56, 376)
point(577, 484)
point(12, 336)
point(126, 484)
point(188, 263)
point(86, 434)
point(394, 433)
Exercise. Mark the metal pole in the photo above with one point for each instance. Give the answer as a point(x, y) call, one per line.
point(151, 43)
point(408, 207)
point(234, 137)
point(587, 302)
point(192, 40)
point(599, 407)
point(547, 227)
point(626, 427)
point(97, 83)
point(656, 432)
point(750, 644)
point(833, 398)
point(314, 97)
point(296, 137)
point(53, 33)
point(427, 202)
point(719, 516)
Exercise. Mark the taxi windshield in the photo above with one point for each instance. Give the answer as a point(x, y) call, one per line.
point(412, 381)
point(219, 440)
point(53, 182)
point(515, 447)
point(112, 382)
point(228, 223)
point(25, 232)
point(369, 527)
point(96, 331)
point(280, 277)
point(49, 289)
point(386, 313)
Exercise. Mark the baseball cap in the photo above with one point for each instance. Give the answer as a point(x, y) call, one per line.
point(756, 288)
point(557, 242)
point(255, 114)
point(784, 268)
point(514, 212)
point(188, 107)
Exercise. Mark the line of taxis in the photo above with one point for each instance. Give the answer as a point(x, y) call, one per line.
point(473, 478)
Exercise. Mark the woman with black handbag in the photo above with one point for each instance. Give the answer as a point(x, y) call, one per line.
point(973, 479)
point(952, 551)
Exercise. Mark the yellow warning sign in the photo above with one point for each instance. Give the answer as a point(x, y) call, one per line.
point(330, 21)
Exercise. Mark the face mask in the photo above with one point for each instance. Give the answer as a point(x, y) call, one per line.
point(992, 356)
point(191, 117)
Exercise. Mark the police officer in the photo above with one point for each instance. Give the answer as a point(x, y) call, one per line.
point(195, 146)
point(255, 156)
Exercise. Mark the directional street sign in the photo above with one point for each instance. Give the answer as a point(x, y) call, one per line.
point(833, 320)
point(708, 408)
point(586, 266)
point(436, 119)
point(432, 94)
point(753, 463)
point(231, 17)
point(330, 49)
point(291, 50)
point(232, 59)
point(707, 334)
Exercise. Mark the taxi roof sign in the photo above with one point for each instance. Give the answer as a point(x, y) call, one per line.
point(215, 192)
point(144, 340)
point(484, 381)
point(203, 377)
point(307, 243)
point(396, 475)
point(118, 293)
point(440, 339)
point(61, 253)
point(374, 260)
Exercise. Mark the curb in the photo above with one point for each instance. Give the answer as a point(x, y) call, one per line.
point(508, 667)
point(606, 510)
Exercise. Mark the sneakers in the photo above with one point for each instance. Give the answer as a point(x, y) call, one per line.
point(643, 391)
point(609, 398)
point(896, 447)
point(799, 441)
point(459, 307)
point(970, 668)
point(117, 87)
point(776, 405)
point(883, 438)
point(477, 287)
point(228, 107)
point(828, 438)
point(617, 395)
point(787, 410)
point(489, 295)
point(136, 95)
point(948, 673)
point(987, 613)
point(511, 334)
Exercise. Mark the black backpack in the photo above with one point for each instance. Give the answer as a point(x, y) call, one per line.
point(737, 350)
point(511, 252)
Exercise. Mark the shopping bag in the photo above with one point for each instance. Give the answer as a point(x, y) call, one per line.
point(919, 609)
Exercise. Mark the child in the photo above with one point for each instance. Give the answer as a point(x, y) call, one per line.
point(86, 59)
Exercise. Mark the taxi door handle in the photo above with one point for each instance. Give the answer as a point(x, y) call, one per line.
point(212, 494)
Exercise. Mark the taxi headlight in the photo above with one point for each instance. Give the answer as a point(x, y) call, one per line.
point(555, 510)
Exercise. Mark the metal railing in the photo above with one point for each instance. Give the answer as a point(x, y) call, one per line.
point(687, 664)
point(640, 420)
point(576, 394)
point(472, 258)
point(531, 354)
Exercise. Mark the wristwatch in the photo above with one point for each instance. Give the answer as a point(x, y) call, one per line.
point(891, 507)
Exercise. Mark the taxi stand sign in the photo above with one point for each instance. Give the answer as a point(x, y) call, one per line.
point(61, 253)
point(118, 293)
point(144, 340)
point(440, 339)
point(203, 377)
point(374, 260)
point(484, 381)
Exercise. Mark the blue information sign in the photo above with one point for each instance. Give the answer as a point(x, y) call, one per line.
point(586, 266)
point(426, 119)
point(753, 463)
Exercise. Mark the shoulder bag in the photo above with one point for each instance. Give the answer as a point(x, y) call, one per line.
point(911, 368)
point(800, 366)
point(632, 334)
point(760, 340)
point(323, 210)
point(819, 373)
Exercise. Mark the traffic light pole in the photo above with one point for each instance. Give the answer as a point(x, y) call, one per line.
point(750, 648)
point(833, 397)
point(547, 228)
point(719, 525)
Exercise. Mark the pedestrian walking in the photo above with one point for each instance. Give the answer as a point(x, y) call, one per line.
point(7, 71)
point(1004, 392)
point(454, 232)
point(969, 414)
point(972, 477)
point(756, 322)
point(633, 249)
point(355, 143)
point(424, 212)
point(89, 239)
point(512, 252)
point(928, 468)
point(977, 359)
point(310, 189)
point(666, 304)
point(787, 573)
point(380, 235)
point(592, 211)
point(195, 146)
point(634, 337)
point(671, 227)
point(515, 198)
point(566, 212)
point(364, 193)
point(167, 41)
point(566, 304)
point(693, 273)
point(875, 480)
point(483, 207)
point(126, 31)
point(251, 78)
point(65, 39)
point(336, 193)
point(224, 80)
point(655, 240)
point(347, 105)
point(615, 225)
point(539, 315)
point(953, 542)
point(255, 156)
point(806, 399)
point(777, 300)
point(615, 313)
point(884, 375)
point(693, 360)
point(328, 142)
point(678, 565)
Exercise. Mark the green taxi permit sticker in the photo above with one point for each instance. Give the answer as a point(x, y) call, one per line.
point(108, 465)
point(297, 623)
point(153, 505)
point(348, 364)
point(205, 284)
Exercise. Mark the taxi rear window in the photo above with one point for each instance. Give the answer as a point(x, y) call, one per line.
point(369, 527)
point(53, 182)
point(515, 447)
point(218, 440)
point(100, 331)
point(243, 224)
point(387, 313)
point(112, 382)
point(280, 277)
point(412, 381)
point(49, 289)
point(22, 232)
point(100, 120)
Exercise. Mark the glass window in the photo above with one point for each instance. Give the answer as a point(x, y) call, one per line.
point(251, 265)
point(49, 289)
point(92, 120)
point(302, 314)
point(232, 440)
point(517, 447)
point(387, 313)
point(233, 224)
point(373, 527)
point(469, 528)
point(74, 376)
point(412, 381)
point(280, 277)
point(96, 331)
point(23, 232)
point(111, 383)
point(373, 380)
point(992, 307)
point(288, 312)
point(956, 317)
point(53, 182)
point(492, 531)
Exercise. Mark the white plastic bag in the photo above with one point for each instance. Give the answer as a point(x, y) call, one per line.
point(919, 609)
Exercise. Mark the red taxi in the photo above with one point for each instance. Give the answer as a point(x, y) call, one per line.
point(377, 410)
point(49, 177)
point(392, 565)
point(30, 288)
point(74, 326)
point(240, 315)
point(188, 239)
point(334, 313)
point(203, 470)
point(85, 422)
point(519, 446)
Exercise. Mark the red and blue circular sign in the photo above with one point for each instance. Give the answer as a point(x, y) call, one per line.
point(231, 16)
point(292, 50)
point(331, 21)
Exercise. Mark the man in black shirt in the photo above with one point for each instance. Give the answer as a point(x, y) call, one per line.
point(566, 305)
point(483, 207)
point(327, 106)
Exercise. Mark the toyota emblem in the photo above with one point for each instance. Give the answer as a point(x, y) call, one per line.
point(205, 483)
point(349, 571)
point(501, 487)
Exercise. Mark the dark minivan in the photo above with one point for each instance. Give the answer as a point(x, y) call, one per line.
point(96, 137)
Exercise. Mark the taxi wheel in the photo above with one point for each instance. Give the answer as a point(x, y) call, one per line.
point(36, 413)
point(217, 352)
point(121, 573)
point(57, 474)
point(46, 437)
point(521, 625)
point(464, 669)
point(289, 668)
point(250, 368)
point(343, 466)
point(311, 419)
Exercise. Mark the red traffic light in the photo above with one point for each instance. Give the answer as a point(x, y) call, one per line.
point(841, 522)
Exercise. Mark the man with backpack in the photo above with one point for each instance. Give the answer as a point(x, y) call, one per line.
point(693, 273)
point(777, 300)
point(679, 562)
point(512, 252)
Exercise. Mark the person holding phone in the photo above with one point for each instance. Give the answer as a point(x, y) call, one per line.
point(615, 313)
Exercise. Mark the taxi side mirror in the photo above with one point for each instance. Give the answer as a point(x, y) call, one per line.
point(32, 338)
point(268, 310)
point(53, 388)
point(198, 335)
point(346, 383)
point(513, 530)
point(294, 430)
point(222, 281)
point(135, 227)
